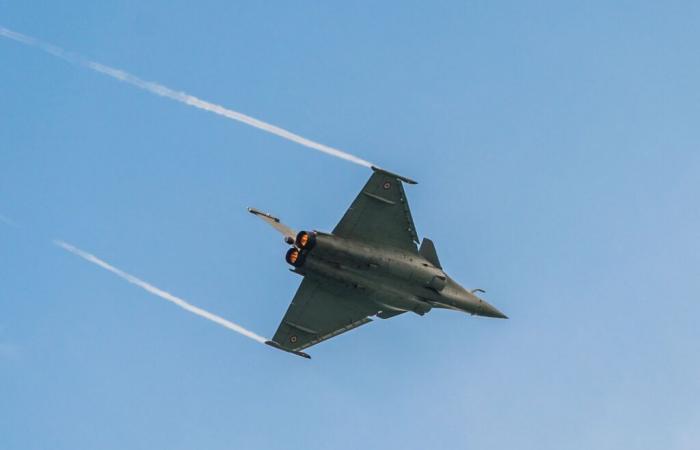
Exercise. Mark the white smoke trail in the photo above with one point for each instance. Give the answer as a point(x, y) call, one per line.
point(159, 292)
point(178, 96)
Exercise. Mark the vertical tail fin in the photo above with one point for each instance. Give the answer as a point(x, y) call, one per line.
point(289, 234)
point(427, 251)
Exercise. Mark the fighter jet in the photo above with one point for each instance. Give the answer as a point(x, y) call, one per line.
point(369, 266)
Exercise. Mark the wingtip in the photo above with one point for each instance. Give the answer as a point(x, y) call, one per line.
point(296, 352)
point(402, 178)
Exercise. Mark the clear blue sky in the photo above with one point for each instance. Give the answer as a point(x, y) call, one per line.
point(556, 149)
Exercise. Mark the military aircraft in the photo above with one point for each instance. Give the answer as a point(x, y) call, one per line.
point(368, 266)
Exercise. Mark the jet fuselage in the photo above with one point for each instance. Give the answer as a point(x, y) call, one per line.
point(395, 280)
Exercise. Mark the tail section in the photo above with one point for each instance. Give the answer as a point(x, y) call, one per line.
point(427, 251)
point(273, 221)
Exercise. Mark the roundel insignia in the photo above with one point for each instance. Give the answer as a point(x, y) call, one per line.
point(387, 185)
point(292, 339)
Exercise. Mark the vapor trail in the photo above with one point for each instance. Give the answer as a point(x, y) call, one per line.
point(179, 96)
point(159, 292)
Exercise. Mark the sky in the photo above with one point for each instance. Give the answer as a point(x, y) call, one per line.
point(556, 149)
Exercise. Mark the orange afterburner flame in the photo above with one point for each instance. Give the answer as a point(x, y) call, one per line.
point(294, 257)
point(303, 240)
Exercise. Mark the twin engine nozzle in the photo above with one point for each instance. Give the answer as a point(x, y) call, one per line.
point(303, 244)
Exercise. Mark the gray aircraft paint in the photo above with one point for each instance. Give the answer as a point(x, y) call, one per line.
point(369, 266)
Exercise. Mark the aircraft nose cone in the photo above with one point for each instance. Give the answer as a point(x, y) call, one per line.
point(488, 310)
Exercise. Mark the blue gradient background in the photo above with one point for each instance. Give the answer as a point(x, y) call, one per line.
point(556, 146)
